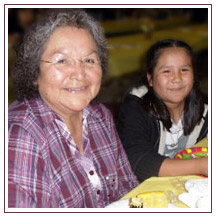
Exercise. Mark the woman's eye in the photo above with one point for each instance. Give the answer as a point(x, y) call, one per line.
point(89, 61)
point(166, 71)
point(62, 61)
point(185, 69)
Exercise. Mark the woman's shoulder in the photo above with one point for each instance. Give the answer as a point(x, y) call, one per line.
point(99, 110)
point(26, 112)
point(19, 117)
point(18, 110)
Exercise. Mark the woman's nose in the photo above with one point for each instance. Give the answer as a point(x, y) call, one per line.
point(77, 71)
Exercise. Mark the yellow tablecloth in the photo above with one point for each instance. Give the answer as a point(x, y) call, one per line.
point(172, 186)
point(202, 143)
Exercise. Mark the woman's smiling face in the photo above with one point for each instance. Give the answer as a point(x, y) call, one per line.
point(173, 76)
point(70, 71)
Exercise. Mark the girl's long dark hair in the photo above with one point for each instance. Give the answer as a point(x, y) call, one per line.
point(154, 105)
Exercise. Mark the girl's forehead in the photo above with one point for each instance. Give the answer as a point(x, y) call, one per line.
point(169, 53)
point(174, 49)
point(177, 56)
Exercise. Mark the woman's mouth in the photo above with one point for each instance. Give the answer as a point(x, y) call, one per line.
point(76, 90)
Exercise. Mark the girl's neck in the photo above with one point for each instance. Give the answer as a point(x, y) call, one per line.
point(176, 111)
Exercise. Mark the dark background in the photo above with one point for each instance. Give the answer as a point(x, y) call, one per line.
point(130, 32)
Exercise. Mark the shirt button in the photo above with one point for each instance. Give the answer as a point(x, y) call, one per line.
point(91, 172)
point(98, 192)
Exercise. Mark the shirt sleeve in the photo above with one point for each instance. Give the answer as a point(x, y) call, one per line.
point(127, 181)
point(139, 135)
point(27, 186)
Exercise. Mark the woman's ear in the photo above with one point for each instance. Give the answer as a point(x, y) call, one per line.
point(35, 82)
point(149, 77)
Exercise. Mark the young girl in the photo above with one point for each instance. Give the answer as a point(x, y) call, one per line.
point(165, 116)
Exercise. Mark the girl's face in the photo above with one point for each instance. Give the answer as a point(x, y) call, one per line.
point(173, 76)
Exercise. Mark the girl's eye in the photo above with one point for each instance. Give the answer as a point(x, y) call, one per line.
point(185, 69)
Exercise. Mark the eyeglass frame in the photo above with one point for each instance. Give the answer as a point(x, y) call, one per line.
point(70, 62)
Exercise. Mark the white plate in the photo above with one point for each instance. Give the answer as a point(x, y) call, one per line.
point(119, 204)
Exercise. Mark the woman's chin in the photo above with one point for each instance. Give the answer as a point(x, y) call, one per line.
point(78, 106)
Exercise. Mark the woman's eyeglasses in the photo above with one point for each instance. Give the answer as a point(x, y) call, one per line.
point(65, 63)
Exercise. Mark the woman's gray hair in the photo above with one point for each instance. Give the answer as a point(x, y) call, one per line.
point(26, 69)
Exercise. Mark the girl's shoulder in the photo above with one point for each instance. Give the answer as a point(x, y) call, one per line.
point(139, 91)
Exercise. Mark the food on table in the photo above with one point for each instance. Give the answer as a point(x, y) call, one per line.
point(149, 200)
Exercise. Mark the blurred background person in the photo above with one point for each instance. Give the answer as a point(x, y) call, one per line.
point(19, 20)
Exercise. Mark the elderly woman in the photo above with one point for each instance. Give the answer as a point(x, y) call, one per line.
point(63, 149)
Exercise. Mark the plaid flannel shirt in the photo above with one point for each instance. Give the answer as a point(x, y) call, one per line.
point(45, 171)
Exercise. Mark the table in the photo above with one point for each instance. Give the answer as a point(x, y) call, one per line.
point(172, 186)
point(203, 143)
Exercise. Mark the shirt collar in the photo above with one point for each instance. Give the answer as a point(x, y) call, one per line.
point(92, 110)
point(47, 115)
